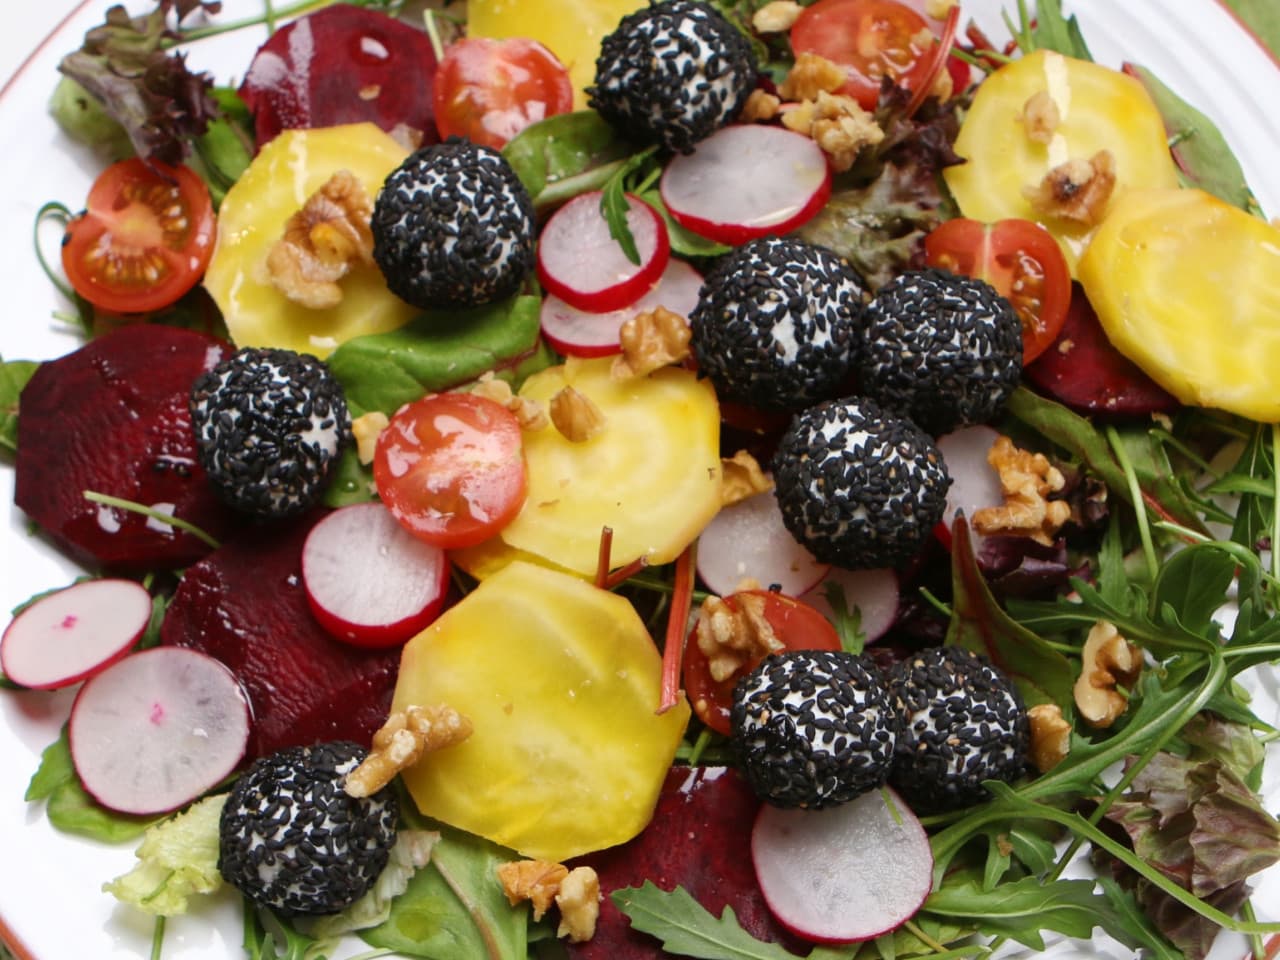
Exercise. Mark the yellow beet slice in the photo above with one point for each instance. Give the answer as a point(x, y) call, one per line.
point(561, 682)
point(652, 474)
point(285, 173)
point(1188, 287)
point(1099, 109)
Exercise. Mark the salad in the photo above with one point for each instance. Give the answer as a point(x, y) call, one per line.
point(1189, 591)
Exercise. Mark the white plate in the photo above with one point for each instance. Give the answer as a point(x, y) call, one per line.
point(51, 904)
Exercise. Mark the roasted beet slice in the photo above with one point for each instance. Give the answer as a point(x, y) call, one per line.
point(700, 839)
point(245, 605)
point(112, 418)
point(1082, 370)
point(343, 64)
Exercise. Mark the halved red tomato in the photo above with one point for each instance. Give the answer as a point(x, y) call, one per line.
point(450, 468)
point(797, 626)
point(871, 39)
point(1021, 260)
point(144, 238)
point(489, 90)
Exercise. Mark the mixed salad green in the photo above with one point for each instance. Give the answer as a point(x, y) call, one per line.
point(1173, 517)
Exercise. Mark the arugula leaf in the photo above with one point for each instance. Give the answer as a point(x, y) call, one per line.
point(1050, 30)
point(615, 206)
point(14, 375)
point(847, 619)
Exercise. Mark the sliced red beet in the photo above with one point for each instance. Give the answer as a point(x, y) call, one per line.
point(699, 839)
point(245, 605)
point(343, 64)
point(1082, 370)
point(112, 418)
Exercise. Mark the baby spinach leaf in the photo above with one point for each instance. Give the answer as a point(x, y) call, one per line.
point(562, 156)
point(1193, 585)
point(69, 807)
point(684, 241)
point(14, 375)
point(352, 481)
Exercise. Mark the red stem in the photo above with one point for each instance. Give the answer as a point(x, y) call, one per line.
point(677, 621)
point(622, 573)
point(602, 559)
point(940, 55)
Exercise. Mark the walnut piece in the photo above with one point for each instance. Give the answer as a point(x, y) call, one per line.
point(775, 17)
point(651, 340)
point(1108, 661)
point(575, 415)
point(837, 124)
point(811, 75)
point(1040, 117)
point(528, 413)
point(1050, 736)
point(322, 242)
point(760, 105)
point(1078, 190)
point(576, 892)
point(1026, 480)
point(366, 429)
point(731, 638)
point(579, 903)
point(534, 880)
point(402, 741)
point(741, 477)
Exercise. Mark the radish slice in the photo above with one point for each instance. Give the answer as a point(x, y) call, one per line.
point(748, 540)
point(583, 265)
point(974, 482)
point(66, 636)
point(873, 592)
point(158, 729)
point(368, 580)
point(582, 333)
point(746, 181)
point(845, 873)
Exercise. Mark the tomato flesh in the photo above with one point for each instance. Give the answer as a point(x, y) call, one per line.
point(1021, 260)
point(871, 39)
point(450, 468)
point(797, 626)
point(489, 90)
point(144, 238)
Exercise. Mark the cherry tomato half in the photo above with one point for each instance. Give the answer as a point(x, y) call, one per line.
point(871, 39)
point(797, 626)
point(1021, 260)
point(144, 238)
point(450, 467)
point(489, 90)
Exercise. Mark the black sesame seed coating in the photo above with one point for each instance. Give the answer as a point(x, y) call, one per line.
point(960, 721)
point(941, 349)
point(861, 488)
point(777, 323)
point(813, 728)
point(270, 426)
point(672, 73)
point(453, 226)
point(293, 840)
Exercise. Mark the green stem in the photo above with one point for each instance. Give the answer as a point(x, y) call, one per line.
point(157, 939)
point(1275, 504)
point(1139, 505)
point(134, 507)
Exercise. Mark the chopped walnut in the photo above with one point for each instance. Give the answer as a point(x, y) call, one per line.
point(1050, 736)
point(651, 340)
point(1026, 480)
point(579, 903)
point(760, 105)
point(776, 17)
point(731, 638)
point(1077, 190)
point(402, 741)
point(322, 242)
point(741, 477)
point(366, 429)
point(534, 880)
point(810, 76)
point(1040, 117)
point(528, 412)
point(575, 415)
point(837, 124)
point(576, 892)
point(938, 9)
point(1109, 660)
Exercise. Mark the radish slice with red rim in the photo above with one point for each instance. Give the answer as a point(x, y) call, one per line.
point(368, 580)
point(584, 333)
point(974, 482)
point(846, 873)
point(875, 593)
point(582, 264)
point(66, 636)
point(748, 540)
point(157, 729)
point(747, 181)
